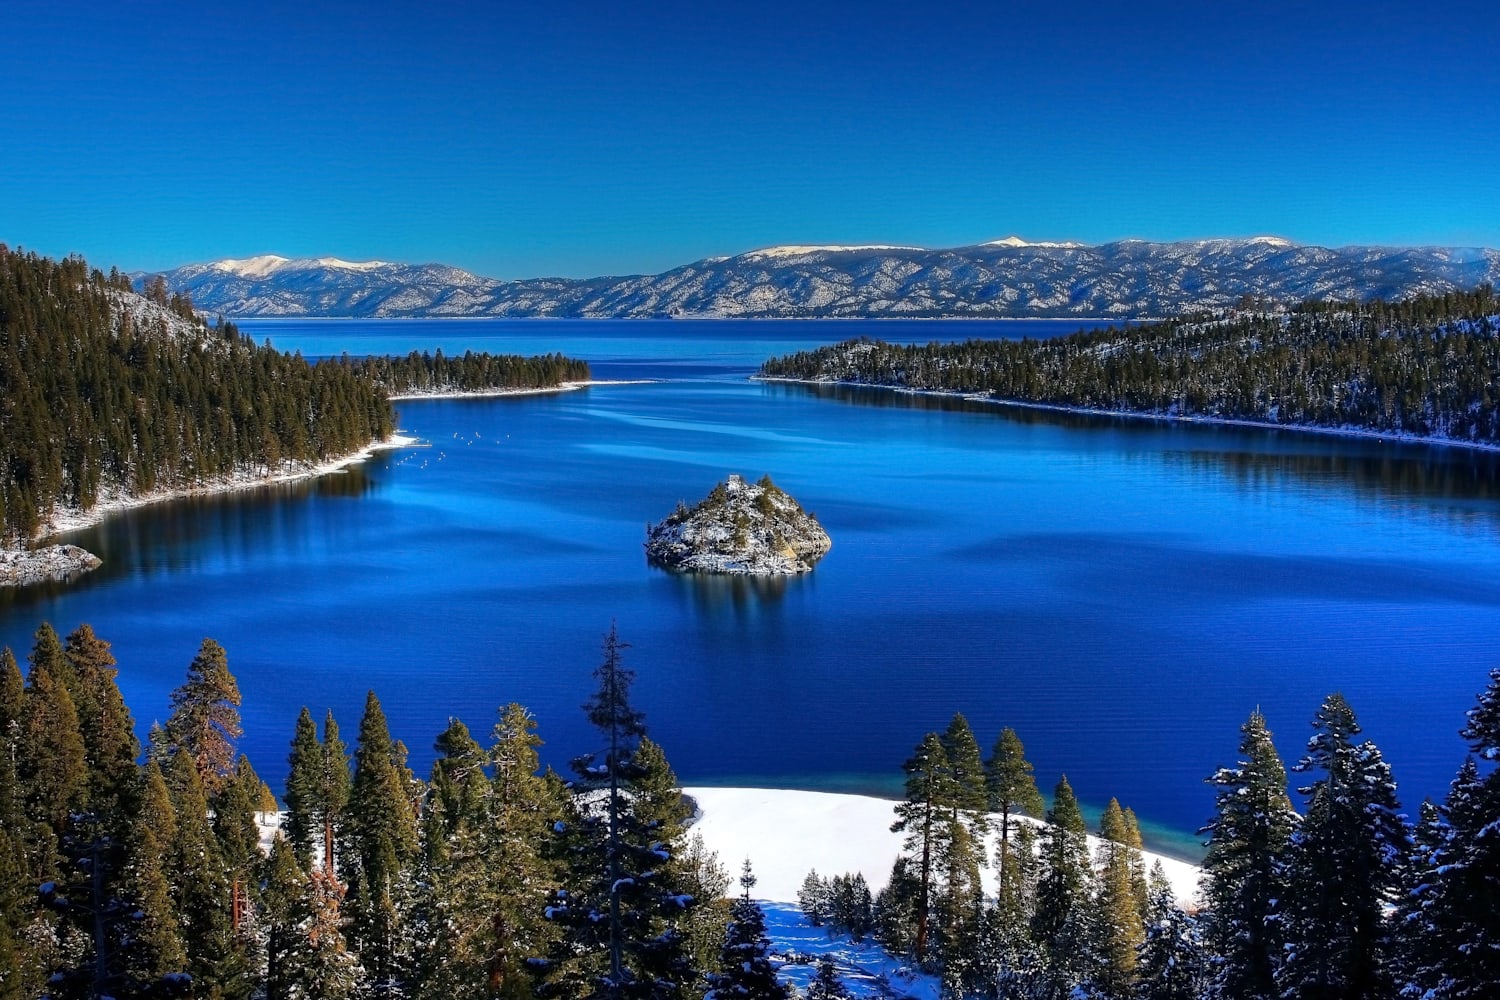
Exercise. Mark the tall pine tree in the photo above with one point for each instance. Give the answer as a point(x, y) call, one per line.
point(1242, 872)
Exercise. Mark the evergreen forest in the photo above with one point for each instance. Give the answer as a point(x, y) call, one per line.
point(104, 393)
point(171, 870)
point(1424, 366)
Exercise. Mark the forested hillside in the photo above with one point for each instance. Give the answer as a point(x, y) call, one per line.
point(126, 875)
point(106, 393)
point(1424, 366)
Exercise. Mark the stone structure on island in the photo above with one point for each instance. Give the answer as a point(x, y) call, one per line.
point(740, 528)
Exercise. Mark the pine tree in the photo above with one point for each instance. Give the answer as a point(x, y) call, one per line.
point(1171, 961)
point(1453, 951)
point(1121, 929)
point(812, 898)
point(306, 955)
point(921, 817)
point(149, 876)
point(620, 925)
point(201, 885)
point(1011, 787)
point(52, 762)
point(205, 719)
point(333, 789)
point(745, 970)
point(1063, 924)
point(380, 848)
point(1242, 871)
point(826, 984)
point(302, 827)
point(108, 731)
point(962, 901)
point(1343, 867)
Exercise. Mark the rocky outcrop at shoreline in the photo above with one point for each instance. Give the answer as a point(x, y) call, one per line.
point(739, 528)
point(62, 563)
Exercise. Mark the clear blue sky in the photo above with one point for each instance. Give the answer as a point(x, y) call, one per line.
point(575, 139)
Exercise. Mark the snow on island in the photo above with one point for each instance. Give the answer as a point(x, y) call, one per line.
point(63, 563)
point(739, 528)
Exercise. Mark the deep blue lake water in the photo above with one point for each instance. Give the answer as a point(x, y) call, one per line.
point(1122, 593)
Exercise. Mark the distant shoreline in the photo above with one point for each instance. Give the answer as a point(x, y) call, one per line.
point(494, 393)
point(975, 397)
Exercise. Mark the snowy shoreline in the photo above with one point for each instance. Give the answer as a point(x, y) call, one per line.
point(493, 393)
point(979, 397)
point(786, 834)
point(71, 518)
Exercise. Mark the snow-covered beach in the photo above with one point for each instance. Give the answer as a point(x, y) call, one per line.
point(787, 833)
point(491, 393)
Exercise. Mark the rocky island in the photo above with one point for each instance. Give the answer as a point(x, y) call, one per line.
point(63, 563)
point(740, 528)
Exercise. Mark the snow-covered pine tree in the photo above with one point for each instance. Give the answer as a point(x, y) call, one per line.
point(306, 955)
point(812, 899)
point(1242, 872)
point(619, 920)
point(826, 984)
point(1453, 945)
point(745, 969)
point(1343, 867)
point(961, 905)
point(1171, 964)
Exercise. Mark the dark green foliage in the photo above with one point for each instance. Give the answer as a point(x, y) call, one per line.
point(1171, 964)
point(745, 970)
point(205, 718)
point(1343, 867)
point(1063, 922)
point(201, 883)
point(1426, 366)
point(1243, 873)
point(619, 917)
point(827, 985)
point(922, 816)
point(429, 374)
point(306, 955)
point(110, 746)
point(149, 875)
point(378, 853)
point(103, 396)
point(302, 827)
point(52, 764)
point(1450, 932)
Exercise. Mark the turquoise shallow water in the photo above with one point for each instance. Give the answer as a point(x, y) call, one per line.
point(1122, 593)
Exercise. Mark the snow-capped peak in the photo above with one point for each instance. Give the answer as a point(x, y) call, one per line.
point(1271, 241)
point(1016, 241)
point(802, 251)
point(251, 267)
point(268, 264)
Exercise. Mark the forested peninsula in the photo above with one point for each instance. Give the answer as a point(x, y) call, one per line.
point(110, 395)
point(1423, 367)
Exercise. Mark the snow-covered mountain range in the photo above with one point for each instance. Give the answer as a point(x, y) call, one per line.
point(1003, 278)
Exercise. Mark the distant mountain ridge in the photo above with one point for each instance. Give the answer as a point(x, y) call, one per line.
point(1003, 278)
